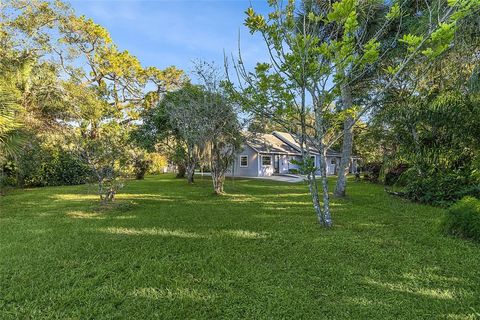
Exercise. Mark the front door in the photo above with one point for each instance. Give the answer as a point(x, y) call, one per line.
point(276, 164)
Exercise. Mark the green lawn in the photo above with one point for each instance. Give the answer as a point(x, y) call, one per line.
point(168, 250)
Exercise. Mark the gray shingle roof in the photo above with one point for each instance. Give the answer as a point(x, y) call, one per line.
point(280, 143)
point(292, 141)
point(268, 143)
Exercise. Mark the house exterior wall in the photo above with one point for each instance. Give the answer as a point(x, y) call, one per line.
point(292, 166)
point(251, 170)
point(255, 168)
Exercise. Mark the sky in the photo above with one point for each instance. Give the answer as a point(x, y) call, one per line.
point(162, 33)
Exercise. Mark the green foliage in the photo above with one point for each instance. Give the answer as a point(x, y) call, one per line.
point(412, 42)
point(254, 21)
point(440, 40)
point(393, 175)
point(440, 188)
point(372, 171)
point(394, 12)
point(371, 51)
point(159, 162)
point(42, 165)
point(305, 166)
point(104, 148)
point(463, 219)
point(141, 162)
point(11, 137)
point(61, 74)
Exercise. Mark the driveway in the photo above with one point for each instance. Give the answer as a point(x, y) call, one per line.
point(282, 178)
point(292, 178)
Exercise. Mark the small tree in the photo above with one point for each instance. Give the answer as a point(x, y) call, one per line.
point(221, 124)
point(313, 52)
point(105, 153)
point(186, 115)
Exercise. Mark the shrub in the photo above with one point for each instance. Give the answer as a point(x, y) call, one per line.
point(393, 174)
point(440, 188)
point(140, 162)
point(372, 171)
point(49, 165)
point(463, 219)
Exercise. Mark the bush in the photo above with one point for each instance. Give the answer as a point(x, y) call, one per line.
point(463, 219)
point(41, 166)
point(439, 188)
point(140, 161)
point(393, 174)
point(372, 171)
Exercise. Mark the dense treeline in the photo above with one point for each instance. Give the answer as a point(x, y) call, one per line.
point(74, 107)
point(424, 137)
point(69, 99)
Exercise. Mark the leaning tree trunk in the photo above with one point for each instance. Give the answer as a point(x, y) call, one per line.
point(190, 171)
point(312, 182)
point(343, 168)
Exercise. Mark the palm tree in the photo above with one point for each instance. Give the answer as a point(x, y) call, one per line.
point(11, 136)
point(10, 127)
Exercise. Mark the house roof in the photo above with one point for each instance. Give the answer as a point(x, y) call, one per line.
point(292, 141)
point(269, 143)
point(280, 143)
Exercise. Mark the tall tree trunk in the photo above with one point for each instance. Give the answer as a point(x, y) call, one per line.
point(327, 217)
point(313, 188)
point(322, 150)
point(343, 168)
point(191, 161)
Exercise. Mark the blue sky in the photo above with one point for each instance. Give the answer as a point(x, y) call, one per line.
point(175, 32)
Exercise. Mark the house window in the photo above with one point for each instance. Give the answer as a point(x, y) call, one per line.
point(313, 159)
point(243, 161)
point(266, 160)
point(333, 161)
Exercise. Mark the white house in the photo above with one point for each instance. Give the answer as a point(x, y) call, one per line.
point(269, 154)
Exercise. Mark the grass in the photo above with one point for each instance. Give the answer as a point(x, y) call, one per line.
point(172, 251)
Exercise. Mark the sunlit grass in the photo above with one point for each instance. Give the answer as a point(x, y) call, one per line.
point(150, 232)
point(85, 215)
point(411, 287)
point(245, 234)
point(168, 250)
point(171, 294)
